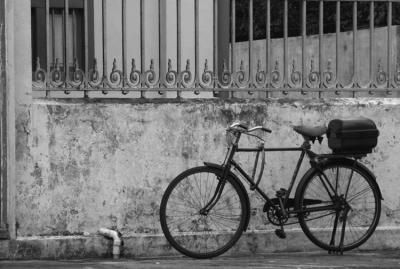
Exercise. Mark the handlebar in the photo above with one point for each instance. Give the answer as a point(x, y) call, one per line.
point(262, 128)
point(237, 126)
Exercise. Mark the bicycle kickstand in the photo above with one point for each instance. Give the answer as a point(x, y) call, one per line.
point(340, 250)
point(343, 232)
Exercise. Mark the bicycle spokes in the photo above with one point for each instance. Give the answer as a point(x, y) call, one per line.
point(349, 217)
point(201, 215)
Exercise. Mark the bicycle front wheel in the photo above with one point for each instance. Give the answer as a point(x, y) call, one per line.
point(202, 235)
point(338, 183)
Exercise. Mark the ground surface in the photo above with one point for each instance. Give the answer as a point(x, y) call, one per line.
point(381, 259)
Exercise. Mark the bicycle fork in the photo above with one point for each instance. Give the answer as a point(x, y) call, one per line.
point(217, 194)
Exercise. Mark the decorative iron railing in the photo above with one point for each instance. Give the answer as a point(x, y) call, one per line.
point(266, 72)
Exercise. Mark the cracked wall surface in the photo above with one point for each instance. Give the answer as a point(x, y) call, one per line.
point(86, 165)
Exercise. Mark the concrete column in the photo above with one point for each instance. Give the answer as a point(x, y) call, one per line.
point(8, 113)
point(22, 51)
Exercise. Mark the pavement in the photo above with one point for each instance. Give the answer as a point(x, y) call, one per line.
point(376, 259)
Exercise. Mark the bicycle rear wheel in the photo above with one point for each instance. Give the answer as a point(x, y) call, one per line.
point(202, 235)
point(354, 221)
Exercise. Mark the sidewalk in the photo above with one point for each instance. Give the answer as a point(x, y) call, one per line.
point(381, 259)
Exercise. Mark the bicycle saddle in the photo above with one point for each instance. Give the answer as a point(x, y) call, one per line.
point(308, 131)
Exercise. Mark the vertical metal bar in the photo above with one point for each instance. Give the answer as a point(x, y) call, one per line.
point(285, 41)
point(268, 41)
point(389, 44)
point(337, 39)
point(215, 52)
point(74, 38)
point(303, 42)
point(251, 33)
point(66, 38)
point(53, 41)
point(355, 63)
point(162, 50)
point(233, 36)
point(223, 42)
point(85, 6)
point(124, 42)
point(197, 41)
point(371, 41)
point(104, 29)
point(48, 40)
point(321, 43)
point(178, 42)
point(142, 45)
point(48, 34)
point(86, 34)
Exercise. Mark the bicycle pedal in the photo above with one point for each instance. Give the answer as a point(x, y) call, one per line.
point(280, 233)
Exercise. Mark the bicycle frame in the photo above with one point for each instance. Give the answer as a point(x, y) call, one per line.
point(255, 186)
point(304, 149)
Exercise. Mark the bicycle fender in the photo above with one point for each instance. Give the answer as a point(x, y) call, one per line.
point(363, 168)
point(369, 172)
point(243, 189)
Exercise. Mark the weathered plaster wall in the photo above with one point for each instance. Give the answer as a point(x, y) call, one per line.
point(81, 166)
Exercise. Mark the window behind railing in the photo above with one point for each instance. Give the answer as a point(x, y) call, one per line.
point(240, 48)
point(57, 46)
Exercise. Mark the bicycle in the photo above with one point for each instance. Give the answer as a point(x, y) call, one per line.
point(337, 203)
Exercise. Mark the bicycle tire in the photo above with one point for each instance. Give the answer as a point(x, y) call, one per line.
point(207, 229)
point(365, 204)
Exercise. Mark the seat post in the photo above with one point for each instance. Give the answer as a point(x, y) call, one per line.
point(306, 144)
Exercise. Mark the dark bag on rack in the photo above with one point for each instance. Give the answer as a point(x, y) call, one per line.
point(352, 137)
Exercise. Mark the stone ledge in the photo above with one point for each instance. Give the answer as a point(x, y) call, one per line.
point(147, 246)
point(331, 101)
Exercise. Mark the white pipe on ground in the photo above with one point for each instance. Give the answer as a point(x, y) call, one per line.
point(116, 240)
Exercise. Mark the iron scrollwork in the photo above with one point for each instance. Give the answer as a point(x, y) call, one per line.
point(78, 77)
point(314, 78)
point(133, 81)
point(381, 76)
point(39, 76)
point(329, 80)
point(94, 79)
point(187, 76)
point(171, 78)
point(57, 79)
point(60, 77)
point(149, 76)
point(261, 76)
point(207, 77)
point(226, 79)
point(276, 80)
point(295, 76)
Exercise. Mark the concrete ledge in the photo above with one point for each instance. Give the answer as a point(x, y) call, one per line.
point(145, 246)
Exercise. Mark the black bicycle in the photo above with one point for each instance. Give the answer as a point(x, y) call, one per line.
point(205, 210)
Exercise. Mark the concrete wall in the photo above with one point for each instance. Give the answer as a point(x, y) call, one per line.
point(82, 166)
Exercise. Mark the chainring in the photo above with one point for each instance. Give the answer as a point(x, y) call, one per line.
point(274, 214)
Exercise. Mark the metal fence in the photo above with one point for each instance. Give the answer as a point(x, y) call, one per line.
point(264, 74)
